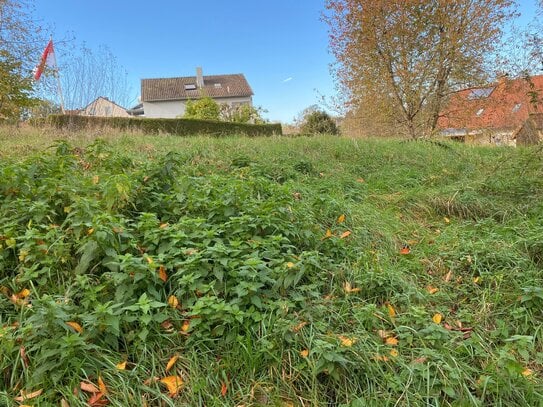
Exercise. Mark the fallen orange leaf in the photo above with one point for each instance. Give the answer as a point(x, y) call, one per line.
point(360, 180)
point(432, 290)
point(380, 358)
point(121, 365)
point(163, 225)
point(345, 341)
point(298, 327)
point(349, 289)
point(328, 234)
point(341, 219)
point(98, 400)
point(173, 301)
point(173, 383)
point(290, 264)
point(224, 389)
point(405, 250)
point(75, 326)
point(186, 325)
point(162, 273)
point(437, 318)
point(88, 387)
point(391, 311)
point(102, 386)
point(304, 353)
point(171, 362)
point(393, 353)
point(345, 234)
point(391, 341)
point(27, 396)
point(527, 372)
point(25, 292)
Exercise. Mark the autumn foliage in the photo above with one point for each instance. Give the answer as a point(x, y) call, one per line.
point(397, 61)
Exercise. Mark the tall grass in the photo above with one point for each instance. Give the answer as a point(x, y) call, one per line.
point(278, 303)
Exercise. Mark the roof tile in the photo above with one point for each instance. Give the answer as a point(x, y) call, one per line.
point(215, 86)
point(502, 105)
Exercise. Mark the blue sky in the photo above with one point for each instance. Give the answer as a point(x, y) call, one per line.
point(280, 45)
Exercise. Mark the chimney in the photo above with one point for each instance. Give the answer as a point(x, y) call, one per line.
point(199, 77)
point(503, 77)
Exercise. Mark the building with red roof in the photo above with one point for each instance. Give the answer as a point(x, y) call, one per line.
point(492, 114)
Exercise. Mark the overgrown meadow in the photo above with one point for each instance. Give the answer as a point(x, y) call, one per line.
point(164, 271)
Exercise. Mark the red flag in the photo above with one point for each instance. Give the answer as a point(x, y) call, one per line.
point(47, 58)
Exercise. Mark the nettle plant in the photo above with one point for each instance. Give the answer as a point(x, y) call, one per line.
point(116, 254)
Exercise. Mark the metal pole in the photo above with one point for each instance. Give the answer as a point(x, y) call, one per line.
point(59, 87)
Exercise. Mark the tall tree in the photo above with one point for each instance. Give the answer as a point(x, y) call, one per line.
point(20, 33)
point(15, 87)
point(87, 74)
point(410, 55)
point(21, 41)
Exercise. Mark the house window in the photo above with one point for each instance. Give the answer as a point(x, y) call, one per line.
point(479, 112)
point(217, 85)
point(190, 86)
point(480, 93)
point(516, 108)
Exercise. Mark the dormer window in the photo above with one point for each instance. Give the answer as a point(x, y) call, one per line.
point(480, 93)
point(479, 112)
point(190, 86)
point(217, 86)
point(516, 108)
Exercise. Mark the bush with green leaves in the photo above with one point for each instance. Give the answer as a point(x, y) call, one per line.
point(204, 108)
point(243, 113)
point(319, 122)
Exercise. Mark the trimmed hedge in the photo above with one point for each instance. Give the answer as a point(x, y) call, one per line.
point(179, 127)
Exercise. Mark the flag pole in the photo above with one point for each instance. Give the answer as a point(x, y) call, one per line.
point(59, 87)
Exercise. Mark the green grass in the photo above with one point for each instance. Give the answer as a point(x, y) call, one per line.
point(89, 224)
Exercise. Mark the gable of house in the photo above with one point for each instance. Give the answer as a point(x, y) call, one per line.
point(103, 107)
point(502, 106)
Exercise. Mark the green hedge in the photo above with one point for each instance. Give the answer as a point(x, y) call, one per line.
point(179, 127)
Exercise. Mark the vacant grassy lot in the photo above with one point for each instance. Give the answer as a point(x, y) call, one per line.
point(162, 271)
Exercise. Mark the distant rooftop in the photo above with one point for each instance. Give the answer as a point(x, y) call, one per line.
point(183, 88)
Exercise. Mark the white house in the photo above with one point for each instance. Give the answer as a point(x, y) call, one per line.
point(167, 97)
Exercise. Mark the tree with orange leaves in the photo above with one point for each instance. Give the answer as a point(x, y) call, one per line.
point(407, 56)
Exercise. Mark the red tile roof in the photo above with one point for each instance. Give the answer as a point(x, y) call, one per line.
point(215, 86)
point(502, 105)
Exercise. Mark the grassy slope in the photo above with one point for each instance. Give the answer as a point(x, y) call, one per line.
point(244, 253)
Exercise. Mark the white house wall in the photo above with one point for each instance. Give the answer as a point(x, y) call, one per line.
point(176, 108)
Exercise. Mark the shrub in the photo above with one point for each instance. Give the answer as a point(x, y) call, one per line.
point(203, 109)
point(319, 122)
point(242, 114)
